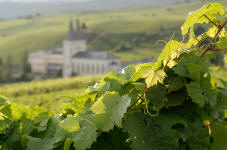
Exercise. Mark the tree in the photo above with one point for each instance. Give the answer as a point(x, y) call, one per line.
point(8, 69)
point(26, 67)
point(1, 68)
point(84, 26)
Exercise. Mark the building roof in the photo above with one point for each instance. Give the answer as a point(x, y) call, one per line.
point(95, 55)
point(58, 51)
point(72, 34)
point(37, 53)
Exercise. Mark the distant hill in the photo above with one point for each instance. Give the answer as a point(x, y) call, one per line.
point(131, 34)
point(118, 31)
point(10, 10)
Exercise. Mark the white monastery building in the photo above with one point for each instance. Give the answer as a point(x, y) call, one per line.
point(73, 58)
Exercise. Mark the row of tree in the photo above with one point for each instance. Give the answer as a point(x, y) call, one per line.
point(13, 73)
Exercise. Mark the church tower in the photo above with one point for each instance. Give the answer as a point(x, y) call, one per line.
point(73, 44)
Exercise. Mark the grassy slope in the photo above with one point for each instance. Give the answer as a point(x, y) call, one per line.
point(47, 32)
point(47, 93)
point(39, 30)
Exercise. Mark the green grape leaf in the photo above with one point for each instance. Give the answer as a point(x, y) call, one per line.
point(221, 104)
point(59, 137)
point(70, 124)
point(194, 71)
point(17, 111)
point(189, 70)
point(12, 138)
point(109, 85)
point(193, 134)
point(219, 134)
point(202, 93)
point(109, 110)
point(129, 71)
point(133, 90)
point(139, 73)
point(195, 92)
point(27, 125)
point(139, 86)
point(210, 10)
point(172, 63)
point(78, 103)
point(191, 66)
point(169, 53)
point(87, 134)
point(33, 112)
point(122, 76)
point(41, 121)
point(175, 98)
point(222, 43)
point(115, 139)
point(67, 144)
point(2, 116)
point(154, 77)
point(213, 30)
point(175, 83)
point(48, 139)
point(152, 133)
point(6, 120)
point(156, 96)
point(3, 100)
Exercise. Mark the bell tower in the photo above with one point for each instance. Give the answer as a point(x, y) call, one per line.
point(73, 44)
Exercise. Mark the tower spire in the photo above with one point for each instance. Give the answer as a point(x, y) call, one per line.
point(74, 34)
point(78, 25)
point(78, 32)
point(70, 30)
point(70, 25)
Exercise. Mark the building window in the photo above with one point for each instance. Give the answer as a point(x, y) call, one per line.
point(103, 68)
point(82, 68)
point(97, 69)
point(88, 68)
point(78, 68)
point(92, 68)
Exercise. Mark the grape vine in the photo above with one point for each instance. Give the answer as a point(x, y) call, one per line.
point(172, 104)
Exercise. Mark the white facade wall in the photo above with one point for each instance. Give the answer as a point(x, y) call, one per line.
point(38, 63)
point(70, 48)
point(84, 66)
point(55, 59)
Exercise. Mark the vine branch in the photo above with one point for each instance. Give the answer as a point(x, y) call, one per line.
point(218, 49)
point(209, 45)
point(211, 21)
point(139, 98)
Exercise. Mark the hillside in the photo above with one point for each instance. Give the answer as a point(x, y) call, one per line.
point(106, 30)
point(11, 9)
point(47, 93)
